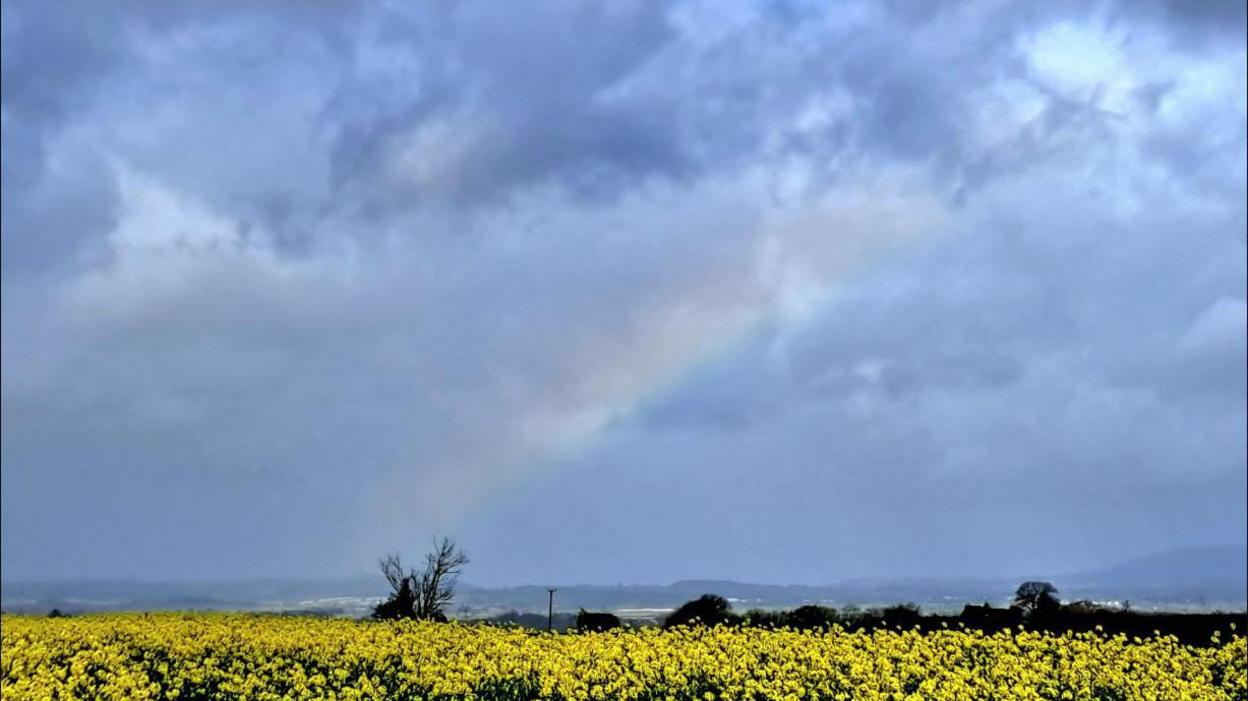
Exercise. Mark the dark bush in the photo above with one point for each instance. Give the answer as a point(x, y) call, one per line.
point(596, 621)
point(707, 610)
point(904, 615)
point(758, 618)
point(812, 617)
point(1037, 598)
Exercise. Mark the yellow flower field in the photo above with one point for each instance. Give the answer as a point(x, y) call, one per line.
point(229, 656)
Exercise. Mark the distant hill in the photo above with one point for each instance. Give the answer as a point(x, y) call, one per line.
point(1182, 579)
point(1215, 572)
point(333, 596)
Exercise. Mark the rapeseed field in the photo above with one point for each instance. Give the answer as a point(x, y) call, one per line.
point(235, 656)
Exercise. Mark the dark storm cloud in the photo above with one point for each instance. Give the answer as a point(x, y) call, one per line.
point(49, 70)
point(514, 111)
point(1196, 24)
point(65, 62)
point(283, 281)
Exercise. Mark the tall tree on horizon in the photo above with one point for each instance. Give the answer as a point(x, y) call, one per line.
point(422, 595)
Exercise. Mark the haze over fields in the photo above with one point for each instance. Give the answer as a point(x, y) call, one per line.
point(622, 292)
point(1191, 579)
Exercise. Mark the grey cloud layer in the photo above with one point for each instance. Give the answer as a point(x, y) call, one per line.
point(282, 282)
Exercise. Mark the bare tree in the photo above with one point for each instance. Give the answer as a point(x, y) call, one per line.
point(392, 567)
point(435, 588)
point(422, 595)
point(402, 600)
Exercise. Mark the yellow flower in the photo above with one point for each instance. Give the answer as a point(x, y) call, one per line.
point(224, 656)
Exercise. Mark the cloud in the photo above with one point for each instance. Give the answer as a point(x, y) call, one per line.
point(484, 110)
point(284, 286)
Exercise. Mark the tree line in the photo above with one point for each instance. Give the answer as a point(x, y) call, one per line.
point(425, 594)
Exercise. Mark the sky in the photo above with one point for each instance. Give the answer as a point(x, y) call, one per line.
point(621, 292)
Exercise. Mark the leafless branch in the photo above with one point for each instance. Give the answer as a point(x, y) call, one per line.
point(427, 594)
point(392, 568)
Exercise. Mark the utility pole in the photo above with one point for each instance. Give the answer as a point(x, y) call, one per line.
point(550, 609)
